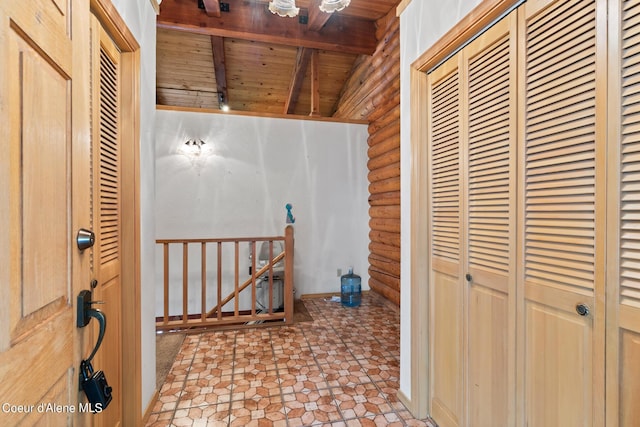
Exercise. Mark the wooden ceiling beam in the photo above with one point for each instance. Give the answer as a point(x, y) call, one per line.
point(315, 85)
point(297, 77)
point(220, 68)
point(249, 21)
point(212, 8)
point(317, 18)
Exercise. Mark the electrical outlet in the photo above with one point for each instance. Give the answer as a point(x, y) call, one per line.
point(339, 272)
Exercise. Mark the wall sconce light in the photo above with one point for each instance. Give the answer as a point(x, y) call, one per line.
point(193, 147)
point(331, 6)
point(284, 7)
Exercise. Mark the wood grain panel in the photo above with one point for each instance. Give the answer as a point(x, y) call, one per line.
point(109, 162)
point(488, 345)
point(490, 216)
point(445, 162)
point(560, 169)
point(44, 189)
point(107, 211)
point(185, 75)
point(629, 380)
point(446, 351)
point(630, 157)
point(623, 284)
point(563, 208)
point(490, 159)
point(258, 68)
point(557, 377)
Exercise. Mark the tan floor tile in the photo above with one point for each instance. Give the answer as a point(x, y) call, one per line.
point(386, 420)
point(262, 386)
point(362, 400)
point(258, 412)
point(315, 407)
point(212, 415)
point(160, 419)
point(303, 379)
point(337, 377)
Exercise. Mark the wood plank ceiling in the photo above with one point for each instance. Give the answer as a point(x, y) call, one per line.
point(255, 61)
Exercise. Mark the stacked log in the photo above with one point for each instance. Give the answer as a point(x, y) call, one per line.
point(372, 93)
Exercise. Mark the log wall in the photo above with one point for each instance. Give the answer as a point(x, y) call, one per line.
point(372, 93)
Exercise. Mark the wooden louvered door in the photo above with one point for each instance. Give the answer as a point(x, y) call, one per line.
point(562, 210)
point(473, 187)
point(107, 206)
point(445, 265)
point(489, 153)
point(623, 281)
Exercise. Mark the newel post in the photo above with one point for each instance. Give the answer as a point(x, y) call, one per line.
point(288, 274)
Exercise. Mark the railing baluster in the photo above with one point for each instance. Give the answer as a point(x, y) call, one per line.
point(166, 282)
point(270, 276)
point(219, 313)
point(185, 281)
point(253, 278)
point(203, 310)
point(237, 279)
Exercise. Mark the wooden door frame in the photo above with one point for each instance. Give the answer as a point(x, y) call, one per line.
point(130, 298)
point(478, 19)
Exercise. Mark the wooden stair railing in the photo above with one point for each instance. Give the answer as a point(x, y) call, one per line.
point(215, 316)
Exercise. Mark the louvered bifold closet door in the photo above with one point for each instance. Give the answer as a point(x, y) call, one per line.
point(623, 297)
point(446, 294)
point(489, 144)
point(563, 115)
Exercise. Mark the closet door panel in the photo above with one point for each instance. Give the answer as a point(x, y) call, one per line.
point(447, 397)
point(562, 194)
point(488, 357)
point(629, 385)
point(623, 338)
point(490, 141)
point(559, 343)
point(446, 297)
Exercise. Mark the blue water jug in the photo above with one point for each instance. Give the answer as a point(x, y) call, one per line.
point(350, 289)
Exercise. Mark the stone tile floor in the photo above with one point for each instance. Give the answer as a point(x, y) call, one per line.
point(341, 369)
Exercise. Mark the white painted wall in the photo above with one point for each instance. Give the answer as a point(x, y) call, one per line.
point(240, 187)
point(422, 23)
point(141, 21)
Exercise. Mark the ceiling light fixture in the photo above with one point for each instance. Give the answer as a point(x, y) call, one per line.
point(331, 6)
point(284, 7)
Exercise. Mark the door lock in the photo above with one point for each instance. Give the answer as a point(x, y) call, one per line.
point(582, 309)
point(85, 239)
